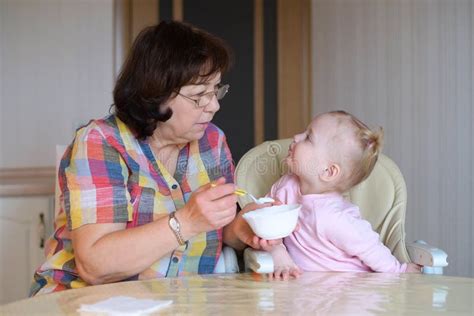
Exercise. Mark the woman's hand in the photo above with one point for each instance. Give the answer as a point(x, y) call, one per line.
point(209, 208)
point(241, 230)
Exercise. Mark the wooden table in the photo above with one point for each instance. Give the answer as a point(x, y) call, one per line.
point(250, 294)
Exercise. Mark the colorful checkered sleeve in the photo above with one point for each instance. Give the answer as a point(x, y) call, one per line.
point(96, 177)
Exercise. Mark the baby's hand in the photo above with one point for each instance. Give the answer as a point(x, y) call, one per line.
point(284, 266)
point(284, 272)
point(413, 268)
point(277, 202)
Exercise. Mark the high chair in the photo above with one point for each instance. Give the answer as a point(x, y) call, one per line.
point(382, 199)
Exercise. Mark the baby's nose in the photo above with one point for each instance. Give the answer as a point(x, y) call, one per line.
point(297, 137)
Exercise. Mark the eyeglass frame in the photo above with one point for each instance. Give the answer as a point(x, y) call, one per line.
point(222, 89)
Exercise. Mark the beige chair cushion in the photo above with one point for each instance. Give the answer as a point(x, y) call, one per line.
point(381, 197)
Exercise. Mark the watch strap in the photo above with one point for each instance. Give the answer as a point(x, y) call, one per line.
point(176, 230)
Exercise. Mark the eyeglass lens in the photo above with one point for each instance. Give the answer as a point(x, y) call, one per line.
point(219, 93)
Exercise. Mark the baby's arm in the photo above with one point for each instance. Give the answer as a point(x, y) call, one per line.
point(413, 268)
point(356, 237)
point(284, 266)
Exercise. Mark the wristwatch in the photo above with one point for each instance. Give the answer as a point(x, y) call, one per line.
point(176, 228)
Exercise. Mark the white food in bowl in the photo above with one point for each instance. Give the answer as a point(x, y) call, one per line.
point(263, 200)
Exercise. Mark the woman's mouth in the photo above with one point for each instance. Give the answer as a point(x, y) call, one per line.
point(203, 124)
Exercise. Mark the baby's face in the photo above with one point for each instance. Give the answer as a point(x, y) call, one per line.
point(310, 150)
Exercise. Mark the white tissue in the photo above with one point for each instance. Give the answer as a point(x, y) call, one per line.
point(124, 305)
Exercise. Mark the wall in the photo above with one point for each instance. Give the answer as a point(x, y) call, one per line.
point(408, 66)
point(59, 58)
point(56, 72)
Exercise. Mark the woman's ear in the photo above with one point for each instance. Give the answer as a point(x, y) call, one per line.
point(330, 173)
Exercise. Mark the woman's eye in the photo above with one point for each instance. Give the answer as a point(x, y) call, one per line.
point(200, 94)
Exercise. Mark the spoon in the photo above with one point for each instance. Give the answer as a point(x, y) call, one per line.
point(242, 192)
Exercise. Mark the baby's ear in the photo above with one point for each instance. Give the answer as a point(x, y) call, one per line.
point(330, 173)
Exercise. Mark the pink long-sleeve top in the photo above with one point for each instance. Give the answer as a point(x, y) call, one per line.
point(332, 234)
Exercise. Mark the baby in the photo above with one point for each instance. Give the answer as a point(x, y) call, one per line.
point(334, 154)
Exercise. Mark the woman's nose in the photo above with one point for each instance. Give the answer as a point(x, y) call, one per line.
point(213, 106)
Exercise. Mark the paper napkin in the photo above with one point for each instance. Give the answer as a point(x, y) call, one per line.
point(125, 305)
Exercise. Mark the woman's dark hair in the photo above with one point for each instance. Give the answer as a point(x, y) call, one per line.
point(164, 58)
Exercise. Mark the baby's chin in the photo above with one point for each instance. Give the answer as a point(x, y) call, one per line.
point(292, 169)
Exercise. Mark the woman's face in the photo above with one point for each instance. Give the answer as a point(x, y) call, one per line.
point(188, 121)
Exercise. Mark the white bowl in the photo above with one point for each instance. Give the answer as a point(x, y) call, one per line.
point(273, 222)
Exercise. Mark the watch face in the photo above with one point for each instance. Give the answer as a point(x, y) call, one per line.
point(174, 224)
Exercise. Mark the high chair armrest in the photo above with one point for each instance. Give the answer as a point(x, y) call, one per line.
point(227, 262)
point(258, 261)
point(431, 258)
point(254, 260)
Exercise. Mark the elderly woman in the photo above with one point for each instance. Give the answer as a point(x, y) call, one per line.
point(148, 191)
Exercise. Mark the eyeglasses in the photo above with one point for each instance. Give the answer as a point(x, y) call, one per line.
point(220, 91)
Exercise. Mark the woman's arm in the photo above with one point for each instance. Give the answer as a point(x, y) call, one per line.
point(231, 234)
point(109, 252)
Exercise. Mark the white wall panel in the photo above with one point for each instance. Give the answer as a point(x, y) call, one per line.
point(56, 73)
point(408, 66)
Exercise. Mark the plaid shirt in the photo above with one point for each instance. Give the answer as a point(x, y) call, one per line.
point(108, 176)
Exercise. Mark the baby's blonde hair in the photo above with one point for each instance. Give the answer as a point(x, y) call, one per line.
point(369, 142)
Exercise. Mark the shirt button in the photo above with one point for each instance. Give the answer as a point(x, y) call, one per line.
point(175, 259)
point(174, 186)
